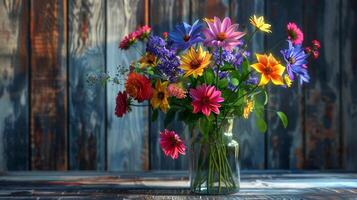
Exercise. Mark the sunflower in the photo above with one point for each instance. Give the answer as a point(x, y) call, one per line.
point(260, 24)
point(148, 60)
point(194, 62)
point(160, 95)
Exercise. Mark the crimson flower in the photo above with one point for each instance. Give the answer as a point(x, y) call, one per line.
point(171, 144)
point(206, 99)
point(122, 104)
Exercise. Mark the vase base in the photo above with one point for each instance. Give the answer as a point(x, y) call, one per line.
point(215, 191)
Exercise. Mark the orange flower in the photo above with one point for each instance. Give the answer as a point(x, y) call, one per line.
point(270, 69)
point(138, 87)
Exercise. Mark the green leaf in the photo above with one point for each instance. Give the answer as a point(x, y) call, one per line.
point(170, 115)
point(234, 81)
point(283, 118)
point(223, 83)
point(262, 125)
point(154, 115)
point(209, 76)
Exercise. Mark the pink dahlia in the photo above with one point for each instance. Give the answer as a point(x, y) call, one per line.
point(222, 34)
point(295, 35)
point(206, 99)
point(171, 144)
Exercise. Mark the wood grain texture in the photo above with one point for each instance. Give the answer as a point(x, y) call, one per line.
point(251, 141)
point(127, 136)
point(86, 101)
point(48, 85)
point(165, 14)
point(14, 59)
point(285, 145)
point(209, 9)
point(322, 111)
point(348, 83)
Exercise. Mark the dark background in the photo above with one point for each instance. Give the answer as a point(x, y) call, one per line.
point(50, 119)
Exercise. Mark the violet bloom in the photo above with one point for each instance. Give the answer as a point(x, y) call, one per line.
point(296, 63)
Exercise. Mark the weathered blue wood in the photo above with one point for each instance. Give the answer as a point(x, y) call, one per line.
point(127, 137)
point(165, 14)
point(285, 145)
point(14, 59)
point(348, 83)
point(251, 141)
point(86, 101)
point(322, 94)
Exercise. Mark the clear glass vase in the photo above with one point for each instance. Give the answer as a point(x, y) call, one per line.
point(214, 164)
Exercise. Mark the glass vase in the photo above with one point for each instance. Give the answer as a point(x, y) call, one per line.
point(214, 164)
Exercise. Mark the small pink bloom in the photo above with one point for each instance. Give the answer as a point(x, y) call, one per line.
point(206, 99)
point(295, 35)
point(143, 32)
point(171, 144)
point(222, 34)
point(165, 35)
point(175, 90)
point(128, 40)
point(316, 44)
point(315, 54)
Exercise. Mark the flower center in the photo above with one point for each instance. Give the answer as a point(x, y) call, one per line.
point(161, 95)
point(221, 36)
point(267, 70)
point(195, 64)
point(205, 101)
point(292, 35)
point(186, 38)
point(292, 60)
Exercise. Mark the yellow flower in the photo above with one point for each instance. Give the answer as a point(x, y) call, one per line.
point(194, 62)
point(287, 80)
point(248, 109)
point(259, 23)
point(270, 69)
point(148, 60)
point(208, 20)
point(160, 95)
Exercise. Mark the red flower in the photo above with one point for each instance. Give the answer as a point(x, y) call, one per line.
point(122, 104)
point(171, 144)
point(206, 99)
point(316, 44)
point(138, 87)
point(165, 35)
point(128, 40)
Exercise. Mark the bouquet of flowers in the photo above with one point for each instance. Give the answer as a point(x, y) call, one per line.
point(205, 76)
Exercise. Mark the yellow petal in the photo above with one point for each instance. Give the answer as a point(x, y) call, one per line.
point(264, 80)
point(258, 67)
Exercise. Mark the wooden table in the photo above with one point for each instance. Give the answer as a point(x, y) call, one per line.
point(173, 185)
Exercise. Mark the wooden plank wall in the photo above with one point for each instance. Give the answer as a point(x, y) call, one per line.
point(51, 119)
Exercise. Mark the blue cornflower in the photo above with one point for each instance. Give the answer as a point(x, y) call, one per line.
point(295, 58)
point(155, 45)
point(186, 35)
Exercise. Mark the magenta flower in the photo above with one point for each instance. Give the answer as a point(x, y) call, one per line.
point(295, 35)
point(206, 99)
point(222, 34)
point(171, 144)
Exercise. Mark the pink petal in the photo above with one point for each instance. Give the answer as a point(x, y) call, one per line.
point(225, 24)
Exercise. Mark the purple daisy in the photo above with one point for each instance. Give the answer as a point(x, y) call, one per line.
point(296, 62)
